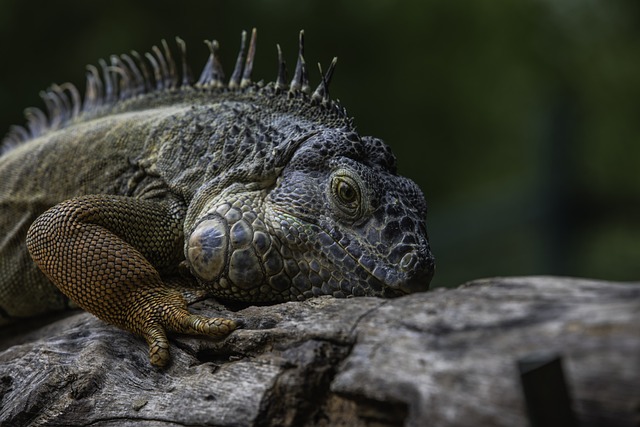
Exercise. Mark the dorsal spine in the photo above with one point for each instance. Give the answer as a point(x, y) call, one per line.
point(128, 76)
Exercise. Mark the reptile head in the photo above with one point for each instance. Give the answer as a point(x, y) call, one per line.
point(338, 220)
point(306, 206)
point(344, 209)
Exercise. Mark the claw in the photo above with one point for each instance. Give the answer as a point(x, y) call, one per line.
point(169, 314)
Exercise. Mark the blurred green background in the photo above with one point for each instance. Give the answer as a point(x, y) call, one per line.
point(518, 119)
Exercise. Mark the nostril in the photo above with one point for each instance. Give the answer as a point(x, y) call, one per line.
point(408, 261)
point(419, 274)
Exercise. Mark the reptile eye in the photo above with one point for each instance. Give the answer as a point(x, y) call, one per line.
point(347, 195)
point(346, 192)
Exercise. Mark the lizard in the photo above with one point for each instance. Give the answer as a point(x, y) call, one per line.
point(155, 189)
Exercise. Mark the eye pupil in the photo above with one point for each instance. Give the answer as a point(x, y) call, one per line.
point(346, 192)
point(346, 196)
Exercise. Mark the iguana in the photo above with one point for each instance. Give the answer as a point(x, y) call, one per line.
point(153, 189)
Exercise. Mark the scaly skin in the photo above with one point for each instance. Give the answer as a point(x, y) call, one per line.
point(234, 189)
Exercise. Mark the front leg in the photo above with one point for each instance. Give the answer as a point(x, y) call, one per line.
point(104, 253)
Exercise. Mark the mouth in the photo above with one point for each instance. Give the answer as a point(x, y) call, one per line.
point(412, 274)
point(408, 280)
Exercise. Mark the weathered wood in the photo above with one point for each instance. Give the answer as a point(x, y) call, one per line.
point(443, 358)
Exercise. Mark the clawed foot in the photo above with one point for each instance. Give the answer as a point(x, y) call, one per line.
point(191, 324)
point(169, 314)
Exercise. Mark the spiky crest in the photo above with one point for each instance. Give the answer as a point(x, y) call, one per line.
point(129, 76)
point(300, 81)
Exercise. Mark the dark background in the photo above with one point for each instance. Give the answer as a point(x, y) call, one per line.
point(518, 119)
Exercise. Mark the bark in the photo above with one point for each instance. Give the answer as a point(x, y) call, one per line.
point(442, 358)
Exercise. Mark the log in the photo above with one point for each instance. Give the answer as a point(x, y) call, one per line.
point(454, 357)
